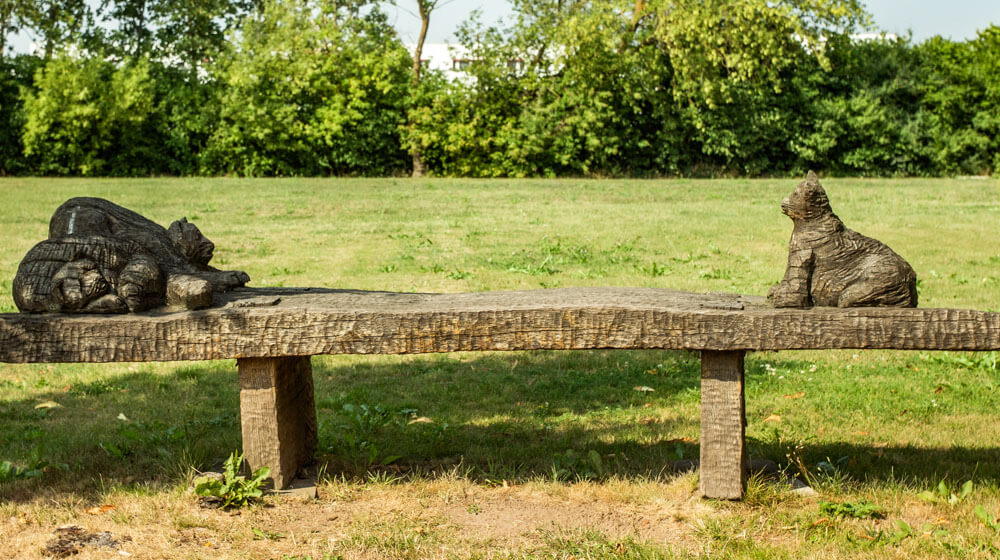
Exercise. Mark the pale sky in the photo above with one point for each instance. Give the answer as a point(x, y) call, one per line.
point(955, 19)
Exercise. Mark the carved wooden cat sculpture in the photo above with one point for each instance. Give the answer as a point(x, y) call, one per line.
point(87, 274)
point(831, 265)
point(103, 258)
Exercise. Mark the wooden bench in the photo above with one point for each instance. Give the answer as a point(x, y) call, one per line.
point(273, 332)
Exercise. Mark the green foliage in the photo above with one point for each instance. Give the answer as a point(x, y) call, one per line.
point(563, 91)
point(359, 431)
point(15, 74)
point(88, 117)
point(943, 494)
point(37, 467)
point(263, 534)
point(857, 510)
point(141, 438)
point(976, 360)
point(13, 15)
point(234, 490)
point(10, 471)
point(189, 31)
point(572, 88)
point(312, 88)
point(572, 465)
point(56, 22)
point(186, 113)
point(716, 45)
point(986, 518)
point(902, 532)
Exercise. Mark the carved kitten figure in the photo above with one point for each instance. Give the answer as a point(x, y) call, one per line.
point(831, 265)
point(87, 274)
point(103, 258)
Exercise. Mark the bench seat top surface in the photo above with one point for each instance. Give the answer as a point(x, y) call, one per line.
point(273, 322)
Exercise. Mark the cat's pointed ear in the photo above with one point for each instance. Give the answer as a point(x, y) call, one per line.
point(176, 231)
point(812, 178)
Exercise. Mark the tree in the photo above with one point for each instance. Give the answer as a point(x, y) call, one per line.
point(571, 87)
point(717, 44)
point(312, 87)
point(424, 9)
point(58, 22)
point(960, 92)
point(133, 35)
point(12, 17)
point(16, 74)
point(186, 31)
point(630, 87)
point(87, 116)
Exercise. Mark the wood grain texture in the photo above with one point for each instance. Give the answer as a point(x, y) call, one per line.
point(723, 421)
point(278, 415)
point(832, 265)
point(103, 258)
point(302, 322)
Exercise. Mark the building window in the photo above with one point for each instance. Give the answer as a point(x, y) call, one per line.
point(460, 64)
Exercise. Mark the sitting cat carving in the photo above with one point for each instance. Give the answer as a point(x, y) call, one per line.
point(831, 265)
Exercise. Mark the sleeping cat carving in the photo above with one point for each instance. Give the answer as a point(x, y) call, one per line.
point(831, 265)
point(103, 258)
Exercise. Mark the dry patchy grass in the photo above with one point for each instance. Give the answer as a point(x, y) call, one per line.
point(493, 476)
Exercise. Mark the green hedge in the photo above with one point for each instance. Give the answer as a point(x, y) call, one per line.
point(300, 93)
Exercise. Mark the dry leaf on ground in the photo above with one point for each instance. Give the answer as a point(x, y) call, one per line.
point(97, 510)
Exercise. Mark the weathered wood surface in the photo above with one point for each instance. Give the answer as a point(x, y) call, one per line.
point(300, 322)
point(830, 264)
point(278, 415)
point(723, 453)
point(103, 258)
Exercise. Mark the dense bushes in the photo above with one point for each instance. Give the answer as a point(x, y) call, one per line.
point(89, 117)
point(307, 93)
point(325, 88)
point(16, 76)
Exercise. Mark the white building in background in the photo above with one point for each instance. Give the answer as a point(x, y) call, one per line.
point(874, 36)
point(450, 59)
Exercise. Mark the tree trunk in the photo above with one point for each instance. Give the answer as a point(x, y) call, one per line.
point(637, 13)
point(53, 16)
point(418, 164)
point(425, 20)
point(425, 7)
point(7, 10)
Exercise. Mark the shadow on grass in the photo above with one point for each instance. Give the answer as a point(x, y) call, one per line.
point(493, 417)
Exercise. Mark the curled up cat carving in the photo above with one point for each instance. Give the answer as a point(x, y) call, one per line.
point(103, 258)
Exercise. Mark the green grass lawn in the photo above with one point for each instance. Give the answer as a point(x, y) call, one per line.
point(880, 427)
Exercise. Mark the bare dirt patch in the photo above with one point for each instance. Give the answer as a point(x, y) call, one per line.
point(424, 519)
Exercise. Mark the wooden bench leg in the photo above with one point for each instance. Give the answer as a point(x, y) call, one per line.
point(278, 413)
point(723, 421)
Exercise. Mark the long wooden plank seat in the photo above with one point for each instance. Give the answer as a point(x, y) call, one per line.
point(272, 332)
